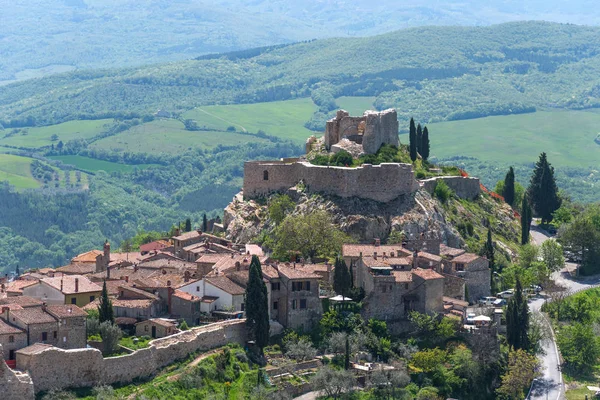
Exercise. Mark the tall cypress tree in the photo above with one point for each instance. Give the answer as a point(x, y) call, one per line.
point(542, 191)
point(412, 137)
point(526, 217)
point(489, 254)
point(204, 223)
point(342, 279)
point(188, 225)
point(509, 187)
point(419, 139)
point(425, 144)
point(517, 320)
point(105, 309)
point(257, 305)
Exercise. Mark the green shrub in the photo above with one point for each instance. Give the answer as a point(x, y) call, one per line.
point(442, 191)
point(341, 159)
point(320, 159)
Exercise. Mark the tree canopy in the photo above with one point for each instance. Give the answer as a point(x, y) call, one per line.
point(542, 191)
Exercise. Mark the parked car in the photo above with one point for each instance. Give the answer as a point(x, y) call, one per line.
point(487, 301)
point(470, 317)
point(499, 303)
point(507, 294)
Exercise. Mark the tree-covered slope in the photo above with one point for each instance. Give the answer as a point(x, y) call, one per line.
point(431, 73)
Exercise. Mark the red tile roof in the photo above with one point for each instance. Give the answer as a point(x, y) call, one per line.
point(87, 257)
point(402, 276)
point(429, 256)
point(67, 283)
point(32, 316)
point(78, 268)
point(188, 235)
point(354, 250)
point(8, 329)
point(225, 284)
point(18, 285)
point(156, 245)
point(66, 311)
point(427, 274)
point(23, 301)
point(466, 258)
point(185, 296)
point(159, 321)
point(296, 273)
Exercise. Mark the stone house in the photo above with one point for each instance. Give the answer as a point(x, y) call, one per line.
point(132, 302)
point(183, 240)
point(71, 325)
point(153, 246)
point(155, 328)
point(472, 268)
point(216, 293)
point(39, 326)
point(12, 339)
point(68, 289)
point(187, 306)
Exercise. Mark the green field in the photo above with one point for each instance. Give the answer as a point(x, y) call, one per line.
point(356, 105)
point(169, 136)
point(41, 136)
point(284, 119)
point(16, 170)
point(93, 165)
point(567, 137)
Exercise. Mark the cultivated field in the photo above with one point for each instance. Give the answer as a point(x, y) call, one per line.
point(355, 105)
point(94, 165)
point(41, 136)
point(16, 170)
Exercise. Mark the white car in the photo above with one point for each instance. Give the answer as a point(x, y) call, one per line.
point(487, 301)
point(499, 302)
point(507, 294)
point(470, 317)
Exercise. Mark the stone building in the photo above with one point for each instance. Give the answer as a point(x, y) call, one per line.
point(181, 240)
point(474, 269)
point(71, 319)
point(68, 289)
point(155, 328)
point(39, 326)
point(12, 339)
point(296, 297)
point(186, 306)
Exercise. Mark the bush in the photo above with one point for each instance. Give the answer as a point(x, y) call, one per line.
point(342, 159)
point(301, 350)
point(442, 191)
point(111, 334)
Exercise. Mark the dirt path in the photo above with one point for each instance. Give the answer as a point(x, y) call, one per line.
point(219, 118)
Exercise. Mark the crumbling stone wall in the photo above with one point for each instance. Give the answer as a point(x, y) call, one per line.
point(464, 187)
point(383, 183)
point(87, 367)
point(14, 385)
point(371, 130)
point(454, 286)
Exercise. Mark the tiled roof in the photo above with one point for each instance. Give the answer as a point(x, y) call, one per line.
point(65, 311)
point(8, 329)
point(78, 268)
point(450, 251)
point(45, 271)
point(254, 250)
point(195, 246)
point(402, 276)
point(429, 256)
point(466, 258)
point(12, 306)
point(167, 263)
point(188, 235)
point(18, 285)
point(137, 291)
point(87, 257)
point(131, 256)
point(159, 321)
point(427, 274)
point(23, 301)
point(451, 300)
point(185, 296)
point(296, 273)
point(32, 316)
point(270, 272)
point(229, 263)
point(354, 250)
point(35, 348)
point(132, 303)
point(156, 245)
point(67, 283)
point(212, 258)
point(225, 284)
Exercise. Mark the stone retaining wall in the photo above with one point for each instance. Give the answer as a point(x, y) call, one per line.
point(464, 187)
point(55, 368)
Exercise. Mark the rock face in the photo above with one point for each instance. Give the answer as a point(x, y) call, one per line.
point(362, 219)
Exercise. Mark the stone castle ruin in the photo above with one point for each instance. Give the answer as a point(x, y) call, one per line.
point(370, 131)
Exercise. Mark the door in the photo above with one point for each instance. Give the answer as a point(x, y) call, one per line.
point(154, 332)
point(11, 355)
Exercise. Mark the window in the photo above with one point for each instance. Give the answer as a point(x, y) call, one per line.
point(44, 336)
point(307, 286)
point(73, 300)
point(406, 286)
point(302, 304)
point(197, 288)
point(460, 267)
point(146, 328)
point(55, 334)
point(293, 304)
point(276, 285)
point(11, 339)
point(92, 298)
point(275, 305)
point(266, 175)
point(242, 307)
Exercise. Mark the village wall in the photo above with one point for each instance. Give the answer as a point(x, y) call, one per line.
point(383, 183)
point(464, 187)
point(87, 367)
point(14, 385)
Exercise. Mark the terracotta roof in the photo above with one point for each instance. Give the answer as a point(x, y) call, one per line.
point(168, 263)
point(8, 329)
point(211, 258)
point(402, 276)
point(87, 257)
point(67, 283)
point(270, 272)
point(427, 274)
point(78, 268)
point(229, 262)
point(31, 276)
point(23, 301)
point(429, 256)
point(160, 255)
point(466, 258)
point(354, 250)
point(195, 246)
point(17, 286)
point(112, 286)
point(32, 316)
point(65, 311)
point(156, 245)
point(254, 250)
point(159, 321)
point(131, 256)
point(132, 303)
point(450, 251)
point(225, 284)
point(209, 299)
point(140, 292)
point(35, 348)
point(316, 269)
point(125, 321)
point(296, 273)
point(185, 296)
point(188, 235)
point(45, 271)
point(12, 306)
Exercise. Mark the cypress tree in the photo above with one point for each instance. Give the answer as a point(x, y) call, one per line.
point(105, 309)
point(419, 140)
point(188, 225)
point(412, 137)
point(425, 144)
point(347, 353)
point(526, 217)
point(509, 187)
point(342, 279)
point(517, 320)
point(542, 191)
point(17, 271)
point(489, 254)
point(257, 307)
point(204, 223)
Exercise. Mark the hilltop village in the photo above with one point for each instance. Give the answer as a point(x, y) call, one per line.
point(200, 277)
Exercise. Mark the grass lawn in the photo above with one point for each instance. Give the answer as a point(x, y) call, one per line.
point(41, 136)
point(93, 165)
point(579, 393)
point(17, 171)
point(284, 119)
point(169, 136)
point(130, 344)
point(356, 105)
point(566, 136)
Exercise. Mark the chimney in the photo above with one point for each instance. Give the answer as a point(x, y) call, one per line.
point(76, 285)
point(384, 254)
point(135, 268)
point(127, 279)
point(238, 266)
point(61, 284)
point(168, 283)
point(106, 253)
point(186, 276)
point(44, 305)
point(377, 241)
point(6, 310)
